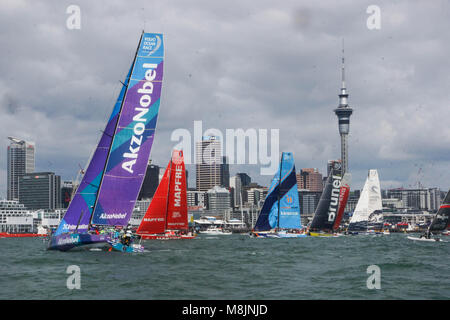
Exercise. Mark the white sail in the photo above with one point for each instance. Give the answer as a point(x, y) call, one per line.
point(370, 199)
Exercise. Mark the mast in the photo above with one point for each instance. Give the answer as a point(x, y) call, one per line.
point(168, 193)
point(115, 128)
point(279, 187)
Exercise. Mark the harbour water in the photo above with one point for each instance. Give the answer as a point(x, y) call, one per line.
point(232, 267)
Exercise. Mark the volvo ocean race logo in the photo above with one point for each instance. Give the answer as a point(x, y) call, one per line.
point(151, 44)
point(140, 118)
point(334, 201)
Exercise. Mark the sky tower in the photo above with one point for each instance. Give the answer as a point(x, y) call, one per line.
point(343, 112)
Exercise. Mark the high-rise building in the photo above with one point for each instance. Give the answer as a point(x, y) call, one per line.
point(150, 183)
point(310, 179)
point(20, 161)
point(308, 201)
point(245, 178)
point(66, 193)
point(208, 158)
point(330, 165)
point(237, 183)
point(40, 190)
point(343, 112)
point(225, 173)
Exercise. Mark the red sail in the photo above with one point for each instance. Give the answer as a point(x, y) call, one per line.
point(177, 215)
point(343, 197)
point(154, 220)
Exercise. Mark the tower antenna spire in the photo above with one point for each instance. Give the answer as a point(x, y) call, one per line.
point(343, 63)
point(343, 112)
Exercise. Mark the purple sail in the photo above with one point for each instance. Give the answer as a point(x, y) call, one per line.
point(133, 136)
point(80, 209)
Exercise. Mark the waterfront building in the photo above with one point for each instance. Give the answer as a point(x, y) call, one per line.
point(20, 160)
point(256, 196)
point(310, 179)
point(428, 199)
point(15, 217)
point(343, 112)
point(218, 200)
point(47, 219)
point(140, 208)
point(392, 204)
point(196, 198)
point(150, 183)
point(40, 190)
point(209, 159)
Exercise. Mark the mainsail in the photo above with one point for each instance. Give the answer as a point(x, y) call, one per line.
point(369, 202)
point(168, 209)
point(442, 219)
point(343, 197)
point(133, 136)
point(327, 209)
point(125, 144)
point(281, 207)
point(177, 214)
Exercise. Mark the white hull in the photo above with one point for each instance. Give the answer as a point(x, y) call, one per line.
point(426, 240)
point(215, 232)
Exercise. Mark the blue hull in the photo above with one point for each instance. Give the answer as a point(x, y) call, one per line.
point(279, 235)
point(118, 246)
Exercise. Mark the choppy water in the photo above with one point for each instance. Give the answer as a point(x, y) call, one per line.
point(232, 267)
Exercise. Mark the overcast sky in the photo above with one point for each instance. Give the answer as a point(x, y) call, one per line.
point(237, 64)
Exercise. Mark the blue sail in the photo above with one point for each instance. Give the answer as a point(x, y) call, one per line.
point(281, 208)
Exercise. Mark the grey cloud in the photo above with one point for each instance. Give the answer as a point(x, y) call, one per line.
point(237, 64)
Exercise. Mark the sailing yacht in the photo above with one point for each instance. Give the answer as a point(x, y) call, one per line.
point(105, 197)
point(440, 223)
point(167, 215)
point(280, 214)
point(368, 215)
point(329, 211)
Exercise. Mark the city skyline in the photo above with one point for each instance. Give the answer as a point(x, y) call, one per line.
point(284, 73)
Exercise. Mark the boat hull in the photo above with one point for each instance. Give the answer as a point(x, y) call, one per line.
point(365, 233)
point(68, 241)
point(133, 248)
point(425, 239)
point(278, 235)
point(165, 237)
point(320, 234)
point(216, 233)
